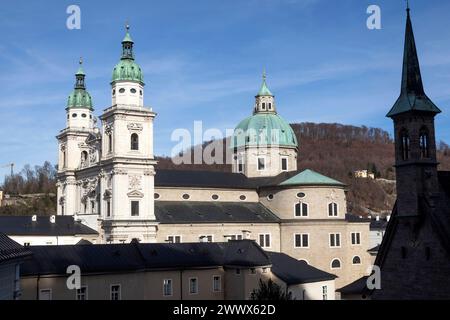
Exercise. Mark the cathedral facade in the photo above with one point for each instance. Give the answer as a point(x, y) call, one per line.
point(108, 179)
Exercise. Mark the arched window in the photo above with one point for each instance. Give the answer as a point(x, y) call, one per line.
point(335, 264)
point(332, 209)
point(404, 144)
point(356, 260)
point(301, 209)
point(134, 141)
point(264, 106)
point(424, 143)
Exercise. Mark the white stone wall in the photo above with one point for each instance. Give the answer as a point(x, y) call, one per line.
point(272, 156)
point(127, 93)
point(205, 194)
point(316, 197)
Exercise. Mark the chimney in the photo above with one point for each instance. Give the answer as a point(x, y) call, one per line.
point(34, 218)
point(52, 219)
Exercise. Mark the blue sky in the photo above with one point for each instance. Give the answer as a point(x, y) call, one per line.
point(203, 60)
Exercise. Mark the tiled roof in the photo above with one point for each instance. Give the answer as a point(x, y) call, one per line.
point(208, 212)
point(356, 287)
point(63, 226)
point(309, 177)
point(11, 250)
point(135, 256)
point(293, 271)
point(217, 179)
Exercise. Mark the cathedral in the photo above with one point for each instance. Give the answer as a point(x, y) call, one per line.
point(108, 179)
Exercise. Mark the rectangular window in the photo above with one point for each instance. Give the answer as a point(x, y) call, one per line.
point(45, 294)
point(325, 293)
point(206, 238)
point(335, 240)
point(110, 143)
point(108, 208)
point(264, 240)
point(193, 285)
point(217, 284)
point(235, 237)
point(174, 239)
point(302, 240)
point(284, 164)
point(134, 208)
point(167, 287)
point(82, 293)
point(261, 164)
point(116, 293)
point(92, 206)
point(356, 238)
point(240, 165)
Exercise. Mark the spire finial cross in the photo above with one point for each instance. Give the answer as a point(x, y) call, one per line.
point(264, 76)
point(81, 61)
point(127, 26)
point(407, 5)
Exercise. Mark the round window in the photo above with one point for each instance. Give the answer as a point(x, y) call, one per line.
point(301, 195)
point(270, 197)
point(186, 196)
point(114, 92)
point(84, 115)
point(121, 90)
point(242, 197)
point(74, 115)
point(140, 92)
point(133, 90)
point(68, 116)
point(156, 196)
point(215, 197)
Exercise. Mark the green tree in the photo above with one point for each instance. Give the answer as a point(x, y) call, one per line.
point(270, 291)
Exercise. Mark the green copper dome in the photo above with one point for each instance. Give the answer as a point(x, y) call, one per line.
point(264, 129)
point(127, 69)
point(80, 98)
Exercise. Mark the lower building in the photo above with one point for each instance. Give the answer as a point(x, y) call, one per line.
point(183, 271)
point(46, 230)
point(12, 255)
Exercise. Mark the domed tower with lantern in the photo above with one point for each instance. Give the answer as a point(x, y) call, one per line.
point(264, 144)
point(127, 186)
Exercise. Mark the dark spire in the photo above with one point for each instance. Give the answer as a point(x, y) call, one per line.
point(412, 96)
point(411, 79)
